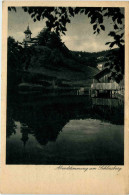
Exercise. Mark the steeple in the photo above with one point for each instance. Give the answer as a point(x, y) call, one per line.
point(28, 27)
point(28, 31)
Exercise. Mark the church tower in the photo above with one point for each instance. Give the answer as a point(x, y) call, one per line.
point(27, 34)
point(28, 41)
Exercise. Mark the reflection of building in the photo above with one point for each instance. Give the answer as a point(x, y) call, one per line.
point(111, 103)
point(24, 131)
point(28, 41)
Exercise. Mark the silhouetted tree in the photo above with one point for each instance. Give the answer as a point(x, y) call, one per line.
point(14, 54)
point(51, 40)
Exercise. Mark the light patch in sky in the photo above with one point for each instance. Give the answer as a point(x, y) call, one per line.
point(79, 35)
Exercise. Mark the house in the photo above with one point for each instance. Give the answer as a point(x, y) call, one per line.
point(102, 84)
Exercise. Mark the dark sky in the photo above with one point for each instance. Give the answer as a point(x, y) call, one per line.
point(79, 35)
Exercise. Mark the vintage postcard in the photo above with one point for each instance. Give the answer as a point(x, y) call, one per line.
point(65, 98)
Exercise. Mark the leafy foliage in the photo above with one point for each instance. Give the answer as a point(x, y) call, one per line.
point(58, 17)
point(49, 39)
point(116, 64)
point(52, 41)
point(14, 54)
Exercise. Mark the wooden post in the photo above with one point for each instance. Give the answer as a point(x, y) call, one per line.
point(111, 93)
point(97, 93)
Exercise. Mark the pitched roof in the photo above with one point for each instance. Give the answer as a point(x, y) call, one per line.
point(102, 73)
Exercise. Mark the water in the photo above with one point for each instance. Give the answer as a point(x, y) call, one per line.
point(64, 130)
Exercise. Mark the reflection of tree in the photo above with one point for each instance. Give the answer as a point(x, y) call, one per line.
point(10, 125)
point(47, 125)
point(48, 131)
point(45, 121)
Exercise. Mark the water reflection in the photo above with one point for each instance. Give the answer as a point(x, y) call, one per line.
point(49, 131)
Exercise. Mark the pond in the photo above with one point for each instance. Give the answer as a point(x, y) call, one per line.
point(65, 130)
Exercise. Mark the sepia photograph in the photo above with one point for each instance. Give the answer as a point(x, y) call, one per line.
point(65, 85)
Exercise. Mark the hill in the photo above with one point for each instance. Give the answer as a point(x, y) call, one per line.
point(51, 62)
point(93, 58)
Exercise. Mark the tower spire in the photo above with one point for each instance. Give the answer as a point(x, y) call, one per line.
point(27, 31)
point(28, 26)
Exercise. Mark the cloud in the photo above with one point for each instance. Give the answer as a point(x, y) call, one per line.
point(89, 44)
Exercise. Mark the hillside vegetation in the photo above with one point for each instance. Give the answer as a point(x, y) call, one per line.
point(51, 60)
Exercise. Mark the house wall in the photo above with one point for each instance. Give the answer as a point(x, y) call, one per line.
point(28, 43)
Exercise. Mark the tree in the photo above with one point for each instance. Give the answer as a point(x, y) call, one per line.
point(14, 53)
point(56, 58)
point(14, 61)
point(58, 17)
point(43, 37)
point(28, 52)
point(17, 56)
point(116, 64)
point(53, 41)
point(49, 39)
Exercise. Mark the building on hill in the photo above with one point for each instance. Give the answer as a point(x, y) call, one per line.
point(29, 41)
point(100, 65)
